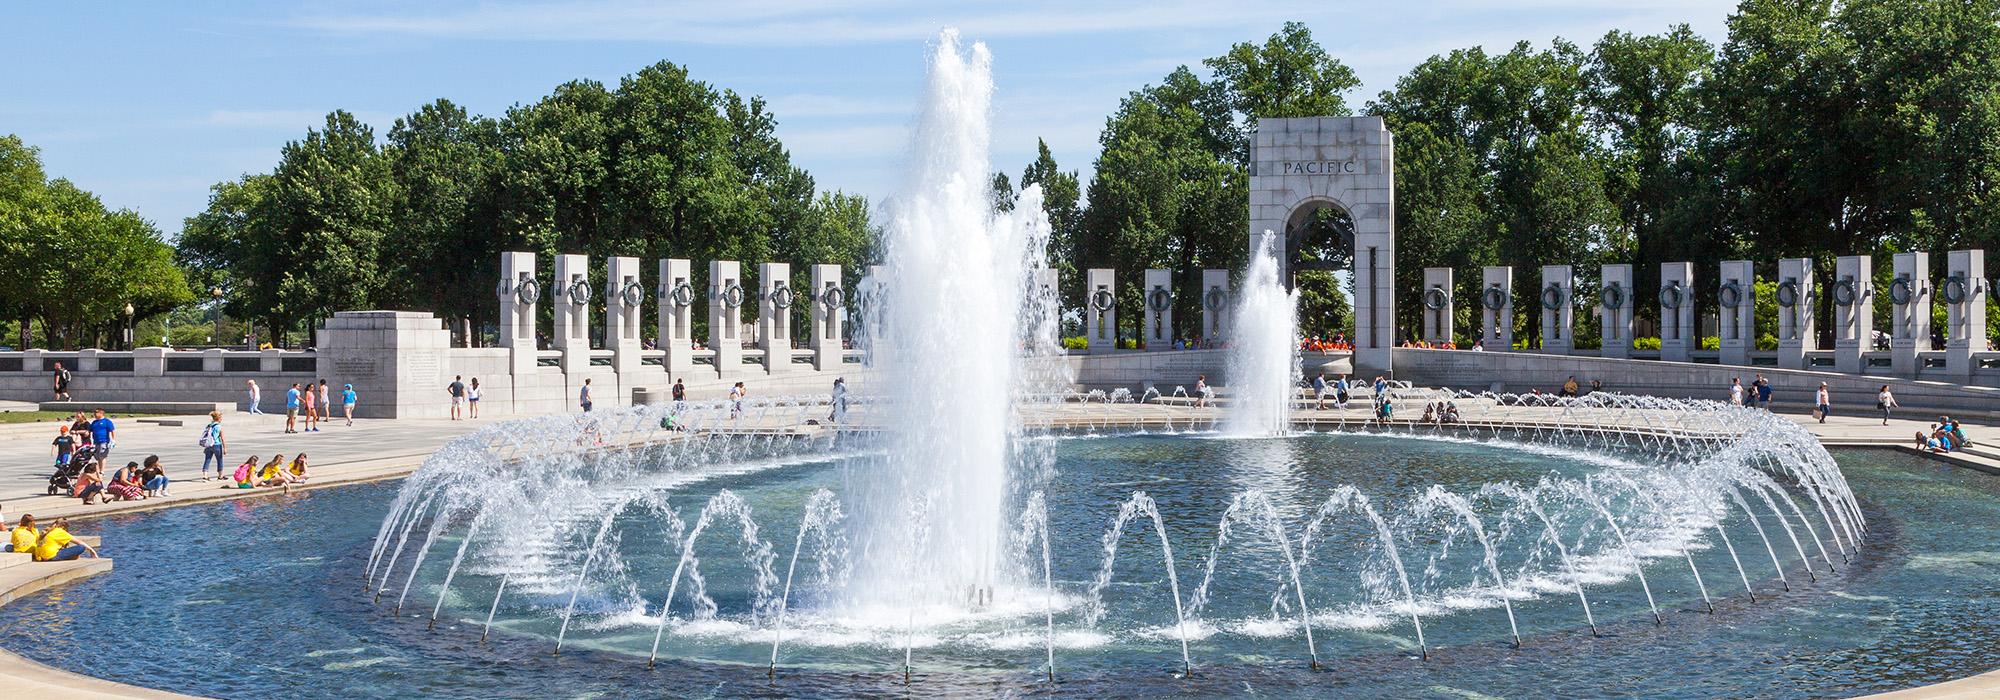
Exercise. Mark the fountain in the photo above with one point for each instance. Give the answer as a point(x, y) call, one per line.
point(1263, 370)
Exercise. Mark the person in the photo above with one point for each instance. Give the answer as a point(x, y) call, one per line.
point(1957, 430)
point(79, 428)
point(1596, 385)
point(1570, 387)
point(153, 477)
point(1450, 412)
point(1886, 402)
point(325, 405)
point(457, 391)
point(839, 401)
point(1822, 403)
point(1479, 345)
point(313, 416)
point(583, 395)
point(1340, 392)
point(1430, 412)
point(90, 484)
point(256, 398)
point(124, 484)
point(1735, 391)
point(681, 391)
point(104, 433)
point(736, 395)
point(61, 381)
point(1319, 392)
point(298, 469)
point(58, 545)
point(24, 536)
point(347, 398)
point(273, 472)
point(1764, 392)
point(63, 446)
point(1381, 389)
point(244, 473)
point(212, 446)
point(1385, 410)
point(1200, 390)
point(292, 409)
point(471, 400)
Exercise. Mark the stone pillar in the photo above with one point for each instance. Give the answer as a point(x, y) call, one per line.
point(1736, 297)
point(624, 312)
point(775, 298)
point(1910, 315)
point(1853, 312)
point(1214, 306)
point(519, 293)
point(676, 314)
point(572, 299)
point(1438, 320)
point(726, 297)
point(1100, 309)
point(829, 317)
point(1796, 322)
point(1615, 303)
point(396, 361)
point(1159, 330)
point(1496, 308)
point(1964, 295)
point(1677, 329)
point(1558, 304)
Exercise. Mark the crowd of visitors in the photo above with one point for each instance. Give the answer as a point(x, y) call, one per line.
point(1946, 435)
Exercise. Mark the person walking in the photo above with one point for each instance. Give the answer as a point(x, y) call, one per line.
point(213, 446)
point(256, 398)
point(1736, 391)
point(292, 408)
point(1822, 403)
point(1341, 393)
point(325, 405)
point(347, 398)
point(680, 393)
point(583, 395)
point(472, 399)
point(61, 382)
point(310, 405)
point(736, 394)
point(104, 433)
point(457, 391)
point(1200, 390)
point(1886, 402)
point(1319, 392)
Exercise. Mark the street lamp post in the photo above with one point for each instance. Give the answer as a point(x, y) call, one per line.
point(216, 293)
point(128, 325)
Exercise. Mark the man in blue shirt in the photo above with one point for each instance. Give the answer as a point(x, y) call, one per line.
point(292, 408)
point(347, 398)
point(103, 432)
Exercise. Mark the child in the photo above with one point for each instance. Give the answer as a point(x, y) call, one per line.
point(298, 469)
point(64, 445)
point(243, 473)
point(273, 473)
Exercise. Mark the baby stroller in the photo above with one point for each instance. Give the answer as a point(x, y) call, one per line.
point(60, 483)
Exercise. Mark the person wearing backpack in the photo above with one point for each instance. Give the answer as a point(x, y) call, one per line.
point(212, 446)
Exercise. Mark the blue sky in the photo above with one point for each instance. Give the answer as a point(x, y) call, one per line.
point(148, 104)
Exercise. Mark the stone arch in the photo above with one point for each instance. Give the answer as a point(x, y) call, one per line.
point(1303, 165)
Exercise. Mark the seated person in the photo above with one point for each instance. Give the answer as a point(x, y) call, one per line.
point(90, 485)
point(1430, 412)
point(1928, 442)
point(244, 472)
point(1450, 412)
point(124, 484)
point(1386, 410)
point(298, 469)
point(1957, 432)
point(58, 545)
point(153, 477)
point(273, 472)
point(24, 537)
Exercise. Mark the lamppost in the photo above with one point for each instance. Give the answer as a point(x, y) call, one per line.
point(216, 293)
point(128, 325)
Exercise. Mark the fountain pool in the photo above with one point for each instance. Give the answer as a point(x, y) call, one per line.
point(281, 612)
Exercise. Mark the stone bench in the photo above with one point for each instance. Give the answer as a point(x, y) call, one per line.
point(162, 408)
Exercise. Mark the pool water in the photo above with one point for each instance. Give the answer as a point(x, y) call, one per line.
point(265, 597)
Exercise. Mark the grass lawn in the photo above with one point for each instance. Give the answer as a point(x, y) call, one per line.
point(52, 416)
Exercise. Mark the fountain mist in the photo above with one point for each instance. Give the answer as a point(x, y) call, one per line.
point(1264, 331)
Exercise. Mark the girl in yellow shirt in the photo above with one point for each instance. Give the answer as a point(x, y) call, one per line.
point(25, 536)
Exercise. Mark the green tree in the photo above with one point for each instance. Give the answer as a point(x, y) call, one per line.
point(446, 166)
point(329, 210)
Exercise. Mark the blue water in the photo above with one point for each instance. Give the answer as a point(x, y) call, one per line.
point(264, 598)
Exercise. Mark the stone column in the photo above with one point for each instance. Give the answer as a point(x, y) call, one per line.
point(676, 314)
point(1557, 301)
point(1736, 297)
point(1615, 303)
point(1214, 306)
point(1496, 308)
point(1677, 330)
point(1964, 295)
point(829, 317)
point(624, 312)
point(396, 361)
point(1853, 312)
point(1796, 323)
point(726, 297)
point(1159, 330)
point(1438, 318)
point(571, 296)
point(775, 298)
point(519, 293)
point(1100, 309)
point(1910, 315)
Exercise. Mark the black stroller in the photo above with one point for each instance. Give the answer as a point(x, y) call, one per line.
point(61, 482)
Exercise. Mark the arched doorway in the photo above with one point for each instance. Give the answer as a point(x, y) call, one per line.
point(1319, 257)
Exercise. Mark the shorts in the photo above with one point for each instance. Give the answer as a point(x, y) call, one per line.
point(291, 413)
point(457, 400)
point(347, 406)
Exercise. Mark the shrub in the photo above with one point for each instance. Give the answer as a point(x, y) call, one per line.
point(1710, 342)
point(1645, 343)
point(1075, 342)
point(1767, 341)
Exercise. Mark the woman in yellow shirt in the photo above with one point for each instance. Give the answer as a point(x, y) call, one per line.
point(297, 471)
point(58, 545)
point(25, 536)
point(273, 472)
